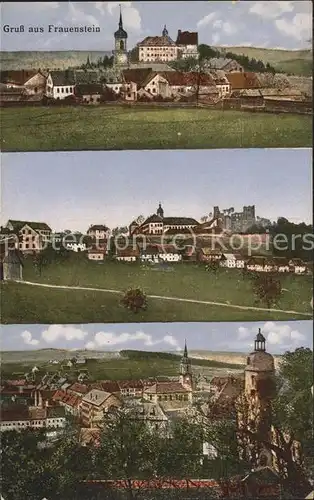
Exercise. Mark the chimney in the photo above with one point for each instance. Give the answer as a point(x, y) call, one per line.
point(179, 32)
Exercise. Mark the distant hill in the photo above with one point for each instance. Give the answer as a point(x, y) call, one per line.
point(48, 60)
point(298, 62)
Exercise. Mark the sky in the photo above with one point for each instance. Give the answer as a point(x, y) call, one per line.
point(272, 24)
point(230, 337)
point(72, 190)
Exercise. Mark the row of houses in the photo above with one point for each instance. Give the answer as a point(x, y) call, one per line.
point(135, 84)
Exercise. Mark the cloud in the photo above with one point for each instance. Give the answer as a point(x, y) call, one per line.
point(102, 339)
point(27, 337)
point(215, 38)
point(299, 27)
point(59, 332)
point(243, 332)
point(206, 20)
point(281, 334)
point(77, 16)
point(271, 9)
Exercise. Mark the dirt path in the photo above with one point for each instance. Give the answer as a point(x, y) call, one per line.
point(160, 297)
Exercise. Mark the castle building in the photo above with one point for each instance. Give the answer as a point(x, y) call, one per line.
point(158, 224)
point(254, 405)
point(120, 53)
point(158, 48)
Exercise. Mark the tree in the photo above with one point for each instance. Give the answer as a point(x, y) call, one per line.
point(204, 218)
point(213, 266)
point(127, 449)
point(120, 230)
point(135, 300)
point(139, 220)
point(43, 258)
point(267, 288)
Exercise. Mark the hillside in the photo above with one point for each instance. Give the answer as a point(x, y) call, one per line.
point(298, 62)
point(48, 60)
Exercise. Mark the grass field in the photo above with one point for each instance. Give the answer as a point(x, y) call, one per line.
point(123, 368)
point(22, 303)
point(297, 62)
point(113, 127)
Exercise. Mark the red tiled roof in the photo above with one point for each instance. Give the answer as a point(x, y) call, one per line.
point(131, 384)
point(177, 78)
point(240, 80)
point(137, 76)
point(107, 386)
point(166, 388)
point(187, 38)
point(18, 77)
point(80, 388)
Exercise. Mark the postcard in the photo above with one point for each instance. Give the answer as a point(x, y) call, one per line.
point(157, 236)
point(156, 75)
point(157, 410)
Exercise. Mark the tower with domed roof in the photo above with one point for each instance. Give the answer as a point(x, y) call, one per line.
point(120, 36)
point(255, 403)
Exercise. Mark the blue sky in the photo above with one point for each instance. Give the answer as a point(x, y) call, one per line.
point(72, 190)
point(232, 337)
point(275, 24)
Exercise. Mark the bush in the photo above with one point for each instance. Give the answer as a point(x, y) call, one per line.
point(135, 300)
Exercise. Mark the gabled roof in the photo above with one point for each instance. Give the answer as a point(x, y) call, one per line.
point(156, 41)
point(137, 76)
point(180, 221)
point(219, 62)
point(239, 80)
point(153, 218)
point(187, 38)
point(88, 88)
point(37, 226)
point(17, 77)
point(166, 388)
point(178, 78)
point(96, 397)
point(98, 227)
point(61, 78)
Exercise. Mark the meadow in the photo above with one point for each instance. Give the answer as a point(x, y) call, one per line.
point(23, 303)
point(112, 127)
point(144, 365)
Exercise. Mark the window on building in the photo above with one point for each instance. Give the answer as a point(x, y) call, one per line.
point(62, 90)
point(58, 90)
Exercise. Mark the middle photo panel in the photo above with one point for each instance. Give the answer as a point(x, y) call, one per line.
point(156, 236)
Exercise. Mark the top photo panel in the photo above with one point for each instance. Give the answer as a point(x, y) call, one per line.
point(156, 75)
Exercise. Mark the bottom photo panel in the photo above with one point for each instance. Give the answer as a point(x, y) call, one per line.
point(157, 411)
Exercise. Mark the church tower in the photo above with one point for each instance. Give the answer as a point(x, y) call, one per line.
point(120, 36)
point(255, 413)
point(160, 211)
point(186, 369)
point(165, 31)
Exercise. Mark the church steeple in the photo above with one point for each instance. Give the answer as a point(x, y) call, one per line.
point(185, 353)
point(120, 52)
point(120, 19)
point(186, 368)
point(165, 31)
point(160, 211)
